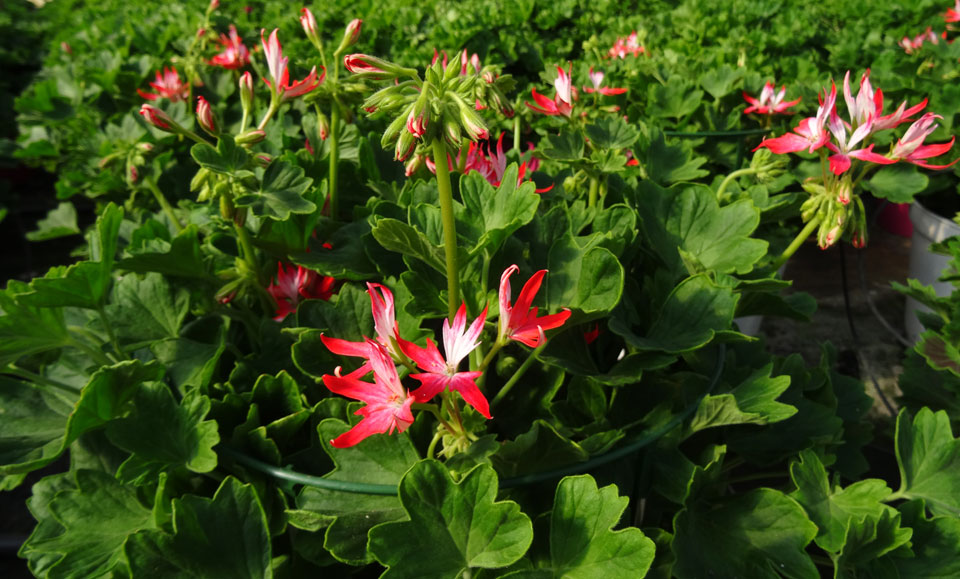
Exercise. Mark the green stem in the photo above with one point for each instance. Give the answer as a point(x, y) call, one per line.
point(246, 246)
point(796, 243)
point(40, 380)
point(334, 159)
point(449, 226)
point(431, 450)
point(516, 133)
point(489, 357)
point(435, 410)
point(592, 195)
point(517, 375)
point(195, 137)
point(164, 204)
point(98, 356)
point(269, 114)
point(729, 179)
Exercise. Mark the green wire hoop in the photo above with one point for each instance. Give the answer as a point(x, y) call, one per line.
point(737, 134)
point(529, 479)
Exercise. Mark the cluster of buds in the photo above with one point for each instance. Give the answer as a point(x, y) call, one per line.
point(388, 402)
point(849, 141)
point(444, 104)
point(770, 102)
point(624, 46)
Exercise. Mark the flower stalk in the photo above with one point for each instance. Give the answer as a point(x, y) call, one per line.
point(449, 225)
point(797, 242)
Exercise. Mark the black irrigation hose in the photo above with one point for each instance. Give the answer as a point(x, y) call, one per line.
point(856, 338)
point(378, 489)
point(873, 308)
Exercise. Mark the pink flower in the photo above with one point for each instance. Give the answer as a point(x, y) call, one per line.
point(810, 133)
point(910, 45)
point(869, 104)
point(520, 322)
point(953, 14)
point(493, 164)
point(770, 101)
point(844, 148)
point(473, 60)
point(167, 85)
point(295, 284)
point(277, 64)
point(910, 147)
point(596, 78)
point(440, 373)
point(562, 103)
point(624, 46)
point(388, 403)
point(234, 55)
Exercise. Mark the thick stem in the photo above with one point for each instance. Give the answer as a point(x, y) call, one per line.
point(449, 226)
point(517, 375)
point(797, 242)
point(592, 194)
point(164, 205)
point(726, 182)
point(269, 114)
point(516, 133)
point(246, 247)
point(39, 380)
point(334, 159)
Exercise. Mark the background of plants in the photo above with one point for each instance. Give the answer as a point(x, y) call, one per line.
point(772, 472)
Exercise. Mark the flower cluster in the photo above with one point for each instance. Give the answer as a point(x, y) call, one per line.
point(490, 163)
point(848, 140)
point(388, 403)
point(911, 45)
point(234, 54)
point(624, 46)
point(443, 105)
point(770, 102)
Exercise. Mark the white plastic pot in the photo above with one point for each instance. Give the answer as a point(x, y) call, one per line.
point(926, 267)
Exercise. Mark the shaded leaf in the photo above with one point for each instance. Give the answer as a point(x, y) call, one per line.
point(929, 460)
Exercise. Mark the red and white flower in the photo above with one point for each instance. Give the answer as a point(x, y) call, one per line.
point(168, 85)
point(520, 322)
point(624, 46)
point(234, 54)
point(596, 78)
point(294, 284)
point(910, 147)
point(562, 103)
point(810, 134)
point(770, 101)
point(277, 65)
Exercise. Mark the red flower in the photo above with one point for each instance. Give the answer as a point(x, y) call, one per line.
point(562, 103)
point(388, 403)
point(167, 85)
point(624, 46)
point(520, 322)
point(911, 149)
point(234, 55)
point(277, 65)
point(440, 373)
point(770, 101)
point(295, 284)
point(596, 78)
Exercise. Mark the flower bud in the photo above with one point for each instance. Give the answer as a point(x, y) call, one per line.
point(413, 164)
point(405, 145)
point(844, 192)
point(214, 4)
point(350, 35)
point(451, 133)
point(309, 24)
point(393, 131)
point(371, 67)
point(246, 92)
point(200, 179)
point(473, 124)
point(251, 137)
point(263, 159)
point(828, 237)
point(205, 117)
point(323, 126)
point(134, 174)
point(159, 119)
point(66, 48)
point(144, 147)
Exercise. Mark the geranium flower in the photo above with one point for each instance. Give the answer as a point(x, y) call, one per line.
point(910, 147)
point(492, 164)
point(912, 44)
point(277, 64)
point(596, 78)
point(562, 103)
point(295, 284)
point(384, 324)
point(868, 104)
point(520, 322)
point(770, 101)
point(168, 85)
point(953, 14)
point(810, 133)
point(844, 147)
point(235, 54)
point(388, 403)
point(624, 46)
point(440, 373)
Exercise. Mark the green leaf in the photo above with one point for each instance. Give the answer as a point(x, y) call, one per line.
point(897, 183)
point(612, 132)
point(81, 285)
point(26, 330)
point(349, 516)
point(499, 212)
point(665, 164)
point(187, 439)
point(59, 222)
point(935, 544)
point(346, 258)
point(831, 508)
point(190, 364)
point(147, 309)
point(588, 279)
point(225, 536)
point(940, 354)
point(280, 194)
point(676, 99)
point(687, 221)
point(453, 527)
point(97, 520)
point(397, 236)
point(929, 460)
point(583, 543)
point(180, 257)
point(539, 449)
point(226, 159)
point(31, 428)
point(869, 539)
point(692, 314)
point(566, 146)
point(761, 533)
point(719, 81)
point(753, 401)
